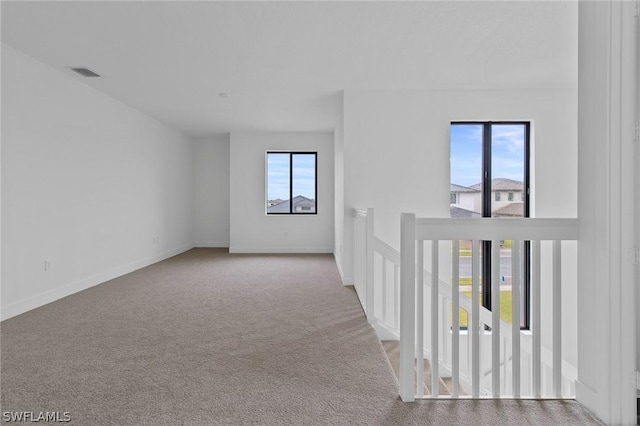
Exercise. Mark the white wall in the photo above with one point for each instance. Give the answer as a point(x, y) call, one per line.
point(606, 302)
point(637, 198)
point(338, 184)
point(396, 149)
point(89, 184)
point(211, 191)
point(396, 159)
point(252, 231)
point(637, 211)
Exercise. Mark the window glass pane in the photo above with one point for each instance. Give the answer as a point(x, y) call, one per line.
point(304, 183)
point(507, 169)
point(277, 182)
point(466, 170)
point(466, 191)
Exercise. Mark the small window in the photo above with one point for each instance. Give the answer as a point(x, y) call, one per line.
point(497, 196)
point(453, 198)
point(510, 196)
point(291, 182)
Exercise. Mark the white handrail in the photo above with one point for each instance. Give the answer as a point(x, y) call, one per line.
point(491, 228)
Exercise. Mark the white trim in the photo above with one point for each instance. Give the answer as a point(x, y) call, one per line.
point(212, 244)
point(346, 281)
point(588, 397)
point(385, 332)
point(349, 280)
point(42, 299)
point(496, 228)
point(282, 250)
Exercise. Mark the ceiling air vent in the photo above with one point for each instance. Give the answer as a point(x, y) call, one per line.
point(85, 72)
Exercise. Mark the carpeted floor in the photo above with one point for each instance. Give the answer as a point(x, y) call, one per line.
point(208, 338)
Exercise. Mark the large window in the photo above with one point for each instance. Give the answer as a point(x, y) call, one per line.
point(489, 158)
point(291, 182)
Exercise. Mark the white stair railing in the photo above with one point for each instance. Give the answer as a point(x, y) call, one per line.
point(414, 232)
point(364, 243)
point(378, 287)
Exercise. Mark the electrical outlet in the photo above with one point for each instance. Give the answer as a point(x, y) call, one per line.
point(155, 240)
point(47, 265)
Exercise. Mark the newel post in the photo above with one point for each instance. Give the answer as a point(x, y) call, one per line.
point(407, 305)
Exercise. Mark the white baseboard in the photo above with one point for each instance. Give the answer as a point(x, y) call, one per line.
point(212, 244)
point(384, 332)
point(349, 280)
point(281, 250)
point(590, 399)
point(44, 298)
point(340, 271)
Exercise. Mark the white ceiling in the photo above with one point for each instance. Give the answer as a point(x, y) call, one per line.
point(285, 63)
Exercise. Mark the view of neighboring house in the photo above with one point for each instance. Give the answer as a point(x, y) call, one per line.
point(507, 199)
point(301, 204)
point(459, 212)
point(463, 197)
point(510, 210)
point(271, 203)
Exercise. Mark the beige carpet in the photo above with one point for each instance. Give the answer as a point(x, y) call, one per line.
point(208, 338)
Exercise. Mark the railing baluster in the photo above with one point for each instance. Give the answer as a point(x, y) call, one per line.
point(503, 375)
point(420, 319)
point(475, 320)
point(407, 306)
point(515, 318)
point(356, 257)
point(369, 267)
point(435, 350)
point(384, 290)
point(557, 318)
point(495, 318)
point(536, 367)
point(455, 302)
point(396, 297)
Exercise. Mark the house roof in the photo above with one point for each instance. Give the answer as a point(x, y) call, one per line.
point(502, 184)
point(460, 188)
point(457, 212)
point(298, 200)
point(510, 210)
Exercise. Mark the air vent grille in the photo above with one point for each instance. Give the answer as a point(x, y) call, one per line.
point(85, 72)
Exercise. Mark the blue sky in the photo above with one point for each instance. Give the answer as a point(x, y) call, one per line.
point(466, 152)
point(278, 175)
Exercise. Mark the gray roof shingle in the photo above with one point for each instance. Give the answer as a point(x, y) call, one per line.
point(502, 184)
